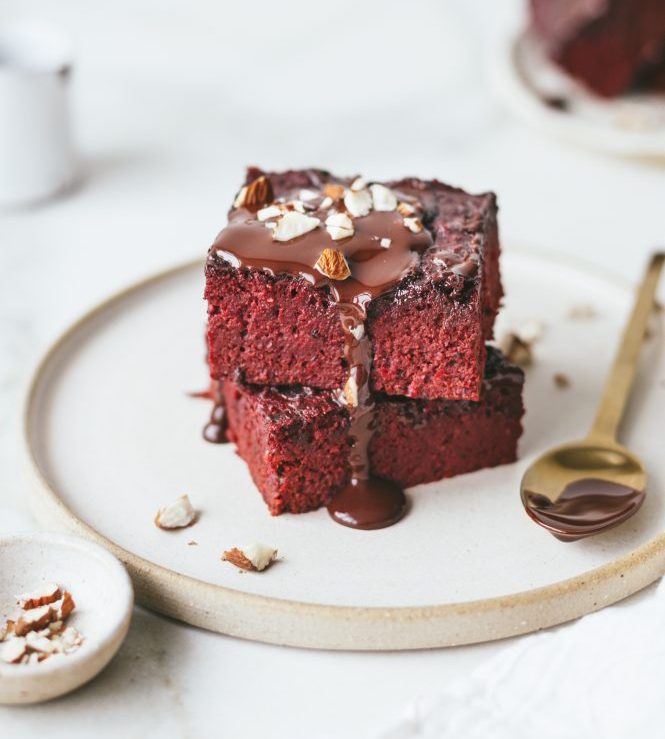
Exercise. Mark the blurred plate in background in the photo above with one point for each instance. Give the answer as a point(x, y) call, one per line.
point(539, 93)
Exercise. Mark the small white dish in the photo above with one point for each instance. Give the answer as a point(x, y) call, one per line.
point(542, 95)
point(104, 599)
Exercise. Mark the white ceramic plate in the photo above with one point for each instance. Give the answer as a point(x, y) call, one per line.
point(103, 595)
point(632, 125)
point(112, 436)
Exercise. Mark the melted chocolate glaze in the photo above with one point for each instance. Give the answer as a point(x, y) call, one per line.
point(376, 269)
point(215, 430)
point(584, 508)
point(247, 242)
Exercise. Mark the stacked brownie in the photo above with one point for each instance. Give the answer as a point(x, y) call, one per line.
point(347, 329)
point(611, 46)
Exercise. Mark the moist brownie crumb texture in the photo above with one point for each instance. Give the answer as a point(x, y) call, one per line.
point(346, 334)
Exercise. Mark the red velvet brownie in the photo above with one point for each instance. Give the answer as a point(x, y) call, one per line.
point(296, 440)
point(422, 262)
point(605, 44)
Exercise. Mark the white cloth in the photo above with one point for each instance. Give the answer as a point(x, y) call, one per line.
point(602, 677)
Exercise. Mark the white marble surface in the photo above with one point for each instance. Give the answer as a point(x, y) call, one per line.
point(172, 99)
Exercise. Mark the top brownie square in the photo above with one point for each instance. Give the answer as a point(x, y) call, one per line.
point(316, 275)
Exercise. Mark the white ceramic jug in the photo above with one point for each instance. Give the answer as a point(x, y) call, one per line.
point(36, 153)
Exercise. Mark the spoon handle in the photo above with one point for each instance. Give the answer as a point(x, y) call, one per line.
point(620, 380)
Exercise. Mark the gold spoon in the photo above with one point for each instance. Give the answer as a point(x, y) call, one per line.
point(584, 487)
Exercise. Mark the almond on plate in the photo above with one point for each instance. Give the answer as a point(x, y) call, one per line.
point(177, 515)
point(253, 557)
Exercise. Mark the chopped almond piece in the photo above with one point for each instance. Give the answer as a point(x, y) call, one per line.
point(7, 630)
point(55, 627)
point(270, 211)
point(37, 643)
point(178, 515)
point(236, 557)
point(415, 225)
point(339, 226)
point(332, 263)
point(516, 350)
point(40, 632)
point(47, 593)
point(69, 640)
point(254, 557)
point(351, 391)
point(63, 607)
point(13, 651)
point(383, 198)
point(258, 192)
point(335, 192)
point(293, 224)
point(358, 202)
point(34, 620)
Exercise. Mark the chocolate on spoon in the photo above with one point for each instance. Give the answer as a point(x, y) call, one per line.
point(585, 487)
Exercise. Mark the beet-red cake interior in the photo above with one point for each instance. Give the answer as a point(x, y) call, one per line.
point(296, 440)
point(347, 322)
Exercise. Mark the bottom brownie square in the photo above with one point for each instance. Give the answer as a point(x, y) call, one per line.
point(296, 444)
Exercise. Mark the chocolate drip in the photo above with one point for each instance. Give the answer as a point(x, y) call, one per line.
point(585, 507)
point(382, 250)
point(366, 502)
point(215, 431)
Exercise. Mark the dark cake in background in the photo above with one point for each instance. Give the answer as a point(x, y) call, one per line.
point(610, 46)
point(347, 328)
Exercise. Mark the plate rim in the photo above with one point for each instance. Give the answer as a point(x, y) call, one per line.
point(323, 626)
point(511, 89)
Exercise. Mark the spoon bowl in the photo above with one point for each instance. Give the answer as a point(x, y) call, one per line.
point(584, 487)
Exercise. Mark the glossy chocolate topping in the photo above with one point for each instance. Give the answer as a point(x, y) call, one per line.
point(383, 243)
point(248, 242)
point(215, 430)
point(584, 508)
